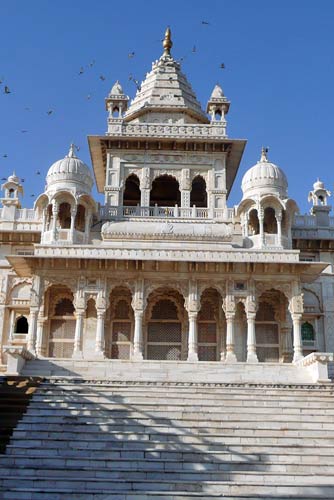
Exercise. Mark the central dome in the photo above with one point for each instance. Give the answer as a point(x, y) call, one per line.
point(69, 172)
point(264, 178)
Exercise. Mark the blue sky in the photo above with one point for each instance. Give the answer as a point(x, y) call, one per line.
point(279, 77)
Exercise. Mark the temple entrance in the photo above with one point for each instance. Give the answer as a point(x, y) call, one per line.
point(62, 324)
point(164, 328)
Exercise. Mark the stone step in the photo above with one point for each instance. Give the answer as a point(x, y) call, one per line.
point(269, 485)
point(12, 465)
point(300, 453)
point(135, 425)
point(238, 418)
point(171, 474)
point(169, 433)
point(216, 412)
point(139, 441)
point(67, 494)
point(190, 405)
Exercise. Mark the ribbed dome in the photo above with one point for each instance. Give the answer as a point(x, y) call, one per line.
point(264, 178)
point(68, 171)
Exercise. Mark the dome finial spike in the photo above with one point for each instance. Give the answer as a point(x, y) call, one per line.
point(264, 154)
point(167, 42)
point(71, 153)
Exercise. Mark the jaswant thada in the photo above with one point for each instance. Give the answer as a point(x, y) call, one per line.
point(167, 284)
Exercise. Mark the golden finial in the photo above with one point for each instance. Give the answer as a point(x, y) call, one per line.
point(167, 42)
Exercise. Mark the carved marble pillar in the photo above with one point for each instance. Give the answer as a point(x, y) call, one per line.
point(246, 220)
point(72, 227)
point(138, 308)
point(296, 311)
point(40, 349)
point(192, 306)
point(99, 344)
point(297, 337)
point(185, 188)
point(261, 228)
point(192, 338)
point(31, 341)
point(88, 221)
point(279, 228)
point(145, 187)
point(55, 210)
point(229, 307)
point(251, 307)
point(35, 301)
point(251, 338)
point(145, 197)
point(285, 331)
point(77, 351)
point(230, 352)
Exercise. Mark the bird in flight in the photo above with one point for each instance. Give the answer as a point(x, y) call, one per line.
point(91, 64)
point(194, 48)
point(102, 77)
point(7, 90)
point(131, 55)
point(81, 71)
point(49, 112)
point(222, 66)
point(206, 23)
point(4, 178)
point(38, 172)
point(24, 131)
point(5, 155)
point(89, 96)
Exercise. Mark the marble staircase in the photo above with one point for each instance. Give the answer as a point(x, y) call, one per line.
point(104, 439)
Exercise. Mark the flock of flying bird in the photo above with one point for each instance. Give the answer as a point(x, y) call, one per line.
point(82, 70)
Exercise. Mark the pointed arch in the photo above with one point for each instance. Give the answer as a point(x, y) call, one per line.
point(131, 195)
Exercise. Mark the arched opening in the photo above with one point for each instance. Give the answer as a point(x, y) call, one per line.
point(62, 323)
point(198, 194)
point(11, 193)
point(218, 115)
point(131, 196)
point(21, 325)
point(121, 324)
point(165, 317)
point(64, 215)
point(115, 112)
point(80, 218)
point(209, 324)
point(253, 223)
point(269, 221)
point(165, 192)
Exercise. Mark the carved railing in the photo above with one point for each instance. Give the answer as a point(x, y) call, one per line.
point(304, 221)
point(167, 130)
point(176, 212)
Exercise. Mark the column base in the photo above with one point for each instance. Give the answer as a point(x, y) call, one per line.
point(99, 355)
point(230, 357)
point(252, 357)
point(297, 357)
point(192, 357)
point(77, 355)
point(137, 356)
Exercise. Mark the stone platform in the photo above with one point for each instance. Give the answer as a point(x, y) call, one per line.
point(181, 371)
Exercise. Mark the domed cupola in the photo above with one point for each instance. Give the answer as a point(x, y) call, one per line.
point(69, 174)
point(264, 178)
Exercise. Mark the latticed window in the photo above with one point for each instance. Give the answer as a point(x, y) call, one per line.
point(164, 332)
point(207, 333)
point(121, 331)
point(61, 338)
point(308, 334)
point(267, 334)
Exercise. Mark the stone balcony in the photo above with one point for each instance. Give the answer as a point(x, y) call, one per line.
point(190, 214)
